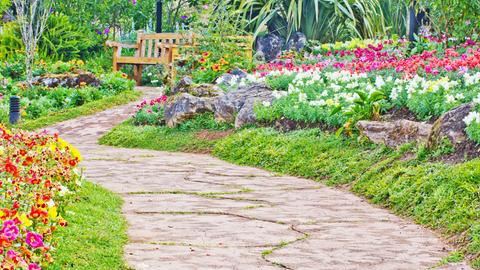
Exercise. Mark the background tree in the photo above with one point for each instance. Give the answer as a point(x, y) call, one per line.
point(32, 16)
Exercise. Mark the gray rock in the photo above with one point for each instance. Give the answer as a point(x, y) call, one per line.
point(186, 106)
point(451, 126)
point(231, 78)
point(186, 85)
point(227, 106)
point(183, 85)
point(69, 80)
point(396, 133)
point(269, 47)
point(236, 106)
point(297, 42)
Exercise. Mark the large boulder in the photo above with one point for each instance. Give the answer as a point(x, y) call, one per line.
point(269, 47)
point(450, 126)
point(396, 133)
point(297, 42)
point(186, 85)
point(70, 80)
point(235, 106)
point(238, 105)
point(186, 106)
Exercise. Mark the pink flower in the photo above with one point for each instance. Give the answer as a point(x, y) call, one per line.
point(11, 254)
point(34, 240)
point(10, 230)
point(34, 266)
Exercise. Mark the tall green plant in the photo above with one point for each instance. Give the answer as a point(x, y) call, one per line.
point(324, 20)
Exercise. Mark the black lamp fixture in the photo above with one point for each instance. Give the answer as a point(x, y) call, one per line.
point(14, 109)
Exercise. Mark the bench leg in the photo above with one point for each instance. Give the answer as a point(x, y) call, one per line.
point(137, 74)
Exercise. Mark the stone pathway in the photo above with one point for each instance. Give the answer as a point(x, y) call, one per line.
point(188, 211)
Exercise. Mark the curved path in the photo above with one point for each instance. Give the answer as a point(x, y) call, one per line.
point(188, 211)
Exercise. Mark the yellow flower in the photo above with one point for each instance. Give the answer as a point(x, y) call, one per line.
point(52, 212)
point(76, 153)
point(80, 63)
point(25, 221)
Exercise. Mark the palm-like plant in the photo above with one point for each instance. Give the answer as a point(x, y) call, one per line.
point(324, 20)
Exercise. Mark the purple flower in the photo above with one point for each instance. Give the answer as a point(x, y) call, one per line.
point(184, 17)
point(106, 31)
point(10, 230)
point(134, 2)
point(34, 240)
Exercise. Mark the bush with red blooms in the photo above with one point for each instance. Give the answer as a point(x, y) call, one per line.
point(38, 175)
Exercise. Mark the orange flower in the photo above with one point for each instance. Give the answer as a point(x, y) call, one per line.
point(216, 67)
point(202, 60)
point(124, 75)
point(223, 61)
point(206, 54)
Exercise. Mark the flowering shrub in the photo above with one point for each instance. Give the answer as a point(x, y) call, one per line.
point(37, 175)
point(150, 112)
point(215, 55)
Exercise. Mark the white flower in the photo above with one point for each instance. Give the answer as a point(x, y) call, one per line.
point(477, 99)
point(221, 80)
point(302, 97)
point(51, 203)
point(459, 96)
point(450, 98)
point(63, 191)
point(317, 103)
point(379, 82)
point(266, 103)
point(472, 117)
point(279, 94)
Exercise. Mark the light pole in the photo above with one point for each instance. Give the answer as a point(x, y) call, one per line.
point(158, 28)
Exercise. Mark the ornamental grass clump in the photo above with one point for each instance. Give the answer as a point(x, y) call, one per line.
point(38, 175)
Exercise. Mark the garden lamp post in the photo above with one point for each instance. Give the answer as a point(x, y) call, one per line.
point(14, 109)
point(158, 29)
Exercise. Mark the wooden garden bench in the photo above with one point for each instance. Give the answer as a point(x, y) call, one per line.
point(160, 48)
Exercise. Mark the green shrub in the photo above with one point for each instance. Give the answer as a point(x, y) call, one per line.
point(62, 40)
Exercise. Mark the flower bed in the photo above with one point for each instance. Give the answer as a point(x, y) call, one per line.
point(340, 84)
point(37, 177)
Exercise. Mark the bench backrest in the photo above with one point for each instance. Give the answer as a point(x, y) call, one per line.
point(148, 42)
point(149, 49)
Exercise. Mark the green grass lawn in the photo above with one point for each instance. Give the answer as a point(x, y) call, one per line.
point(187, 137)
point(441, 196)
point(86, 109)
point(96, 232)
